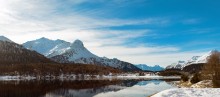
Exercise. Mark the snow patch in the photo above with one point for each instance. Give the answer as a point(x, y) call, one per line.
point(189, 92)
point(203, 84)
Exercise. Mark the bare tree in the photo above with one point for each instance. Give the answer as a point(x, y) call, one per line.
point(211, 70)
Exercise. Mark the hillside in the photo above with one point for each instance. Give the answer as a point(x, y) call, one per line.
point(12, 53)
point(193, 68)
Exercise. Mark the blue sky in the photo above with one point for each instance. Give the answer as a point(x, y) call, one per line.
point(138, 31)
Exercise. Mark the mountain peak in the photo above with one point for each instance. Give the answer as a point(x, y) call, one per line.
point(43, 38)
point(3, 38)
point(77, 44)
point(212, 51)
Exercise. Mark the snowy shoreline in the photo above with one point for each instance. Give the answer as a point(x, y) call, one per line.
point(189, 92)
point(186, 89)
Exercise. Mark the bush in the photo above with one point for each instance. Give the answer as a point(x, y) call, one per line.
point(141, 74)
point(216, 83)
point(184, 77)
point(195, 78)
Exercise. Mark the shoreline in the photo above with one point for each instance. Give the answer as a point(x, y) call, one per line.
point(189, 92)
point(204, 87)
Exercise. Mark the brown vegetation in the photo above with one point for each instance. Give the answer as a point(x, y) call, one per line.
point(169, 72)
point(184, 77)
point(193, 68)
point(196, 78)
point(42, 69)
point(211, 70)
point(12, 53)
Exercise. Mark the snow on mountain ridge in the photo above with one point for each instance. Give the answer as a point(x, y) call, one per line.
point(44, 45)
point(177, 65)
point(204, 58)
point(192, 60)
point(58, 49)
point(78, 51)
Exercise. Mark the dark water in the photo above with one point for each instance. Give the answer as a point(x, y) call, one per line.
point(86, 88)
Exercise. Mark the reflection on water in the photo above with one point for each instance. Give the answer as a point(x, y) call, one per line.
point(86, 88)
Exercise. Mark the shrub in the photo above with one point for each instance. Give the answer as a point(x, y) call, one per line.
point(195, 78)
point(141, 74)
point(184, 77)
point(216, 83)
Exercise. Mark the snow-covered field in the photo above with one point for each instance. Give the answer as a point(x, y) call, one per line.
point(189, 92)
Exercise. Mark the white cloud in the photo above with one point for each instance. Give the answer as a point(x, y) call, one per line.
point(191, 21)
point(23, 20)
point(39, 17)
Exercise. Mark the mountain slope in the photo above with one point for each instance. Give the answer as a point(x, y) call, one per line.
point(12, 53)
point(150, 68)
point(3, 38)
point(65, 52)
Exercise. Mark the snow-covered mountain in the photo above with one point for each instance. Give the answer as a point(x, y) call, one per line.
point(150, 68)
point(194, 60)
point(177, 65)
point(65, 52)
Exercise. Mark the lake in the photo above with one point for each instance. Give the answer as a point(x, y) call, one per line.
point(83, 88)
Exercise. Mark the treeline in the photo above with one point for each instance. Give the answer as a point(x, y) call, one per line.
point(51, 69)
point(170, 72)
